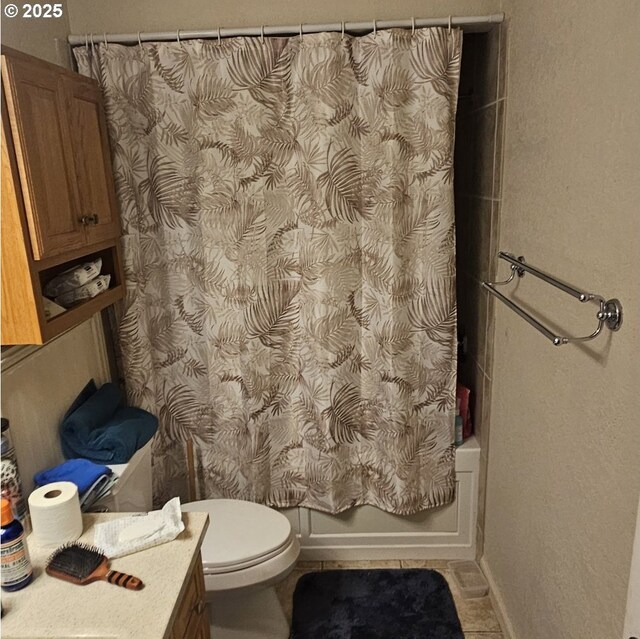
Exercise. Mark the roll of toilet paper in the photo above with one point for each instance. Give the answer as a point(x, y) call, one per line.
point(55, 513)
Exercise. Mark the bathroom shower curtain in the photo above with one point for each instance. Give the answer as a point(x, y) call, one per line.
point(289, 254)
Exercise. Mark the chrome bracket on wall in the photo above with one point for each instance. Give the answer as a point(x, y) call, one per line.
point(609, 314)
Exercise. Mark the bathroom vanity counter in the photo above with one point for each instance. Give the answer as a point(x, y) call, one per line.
point(171, 573)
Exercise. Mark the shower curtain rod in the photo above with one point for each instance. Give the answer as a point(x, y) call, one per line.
point(468, 23)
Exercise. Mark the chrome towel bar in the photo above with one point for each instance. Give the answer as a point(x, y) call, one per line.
point(609, 314)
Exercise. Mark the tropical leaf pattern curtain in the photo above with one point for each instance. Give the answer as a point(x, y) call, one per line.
point(290, 263)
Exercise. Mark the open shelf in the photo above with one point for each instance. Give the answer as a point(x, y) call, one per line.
point(82, 311)
point(37, 329)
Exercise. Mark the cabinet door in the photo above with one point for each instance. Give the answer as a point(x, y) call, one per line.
point(43, 151)
point(199, 627)
point(192, 618)
point(92, 160)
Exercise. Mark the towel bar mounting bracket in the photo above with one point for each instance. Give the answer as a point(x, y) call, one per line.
point(612, 314)
point(519, 270)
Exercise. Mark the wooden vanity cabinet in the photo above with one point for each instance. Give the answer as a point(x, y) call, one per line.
point(59, 207)
point(192, 618)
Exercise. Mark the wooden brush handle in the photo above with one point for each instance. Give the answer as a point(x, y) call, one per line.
point(124, 580)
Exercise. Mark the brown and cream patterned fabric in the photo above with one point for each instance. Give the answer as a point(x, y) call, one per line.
point(290, 262)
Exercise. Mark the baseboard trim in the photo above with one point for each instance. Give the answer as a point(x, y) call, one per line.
point(366, 552)
point(497, 602)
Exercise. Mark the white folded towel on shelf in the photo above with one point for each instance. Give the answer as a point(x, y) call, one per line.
point(73, 278)
point(84, 292)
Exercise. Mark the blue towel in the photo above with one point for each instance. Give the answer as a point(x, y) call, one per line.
point(99, 427)
point(81, 472)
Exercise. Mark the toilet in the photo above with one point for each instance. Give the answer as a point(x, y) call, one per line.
point(248, 549)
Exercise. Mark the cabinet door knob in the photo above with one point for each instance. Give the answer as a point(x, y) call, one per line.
point(199, 607)
point(86, 220)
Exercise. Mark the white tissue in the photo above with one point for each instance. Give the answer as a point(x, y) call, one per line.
point(127, 535)
point(141, 530)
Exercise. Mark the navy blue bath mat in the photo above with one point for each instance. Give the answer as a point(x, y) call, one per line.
point(374, 604)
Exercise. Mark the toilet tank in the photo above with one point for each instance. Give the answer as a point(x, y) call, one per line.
point(132, 492)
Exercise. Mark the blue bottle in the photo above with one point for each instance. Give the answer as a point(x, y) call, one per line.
point(15, 566)
point(459, 439)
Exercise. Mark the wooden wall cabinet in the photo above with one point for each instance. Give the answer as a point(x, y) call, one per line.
point(192, 618)
point(59, 206)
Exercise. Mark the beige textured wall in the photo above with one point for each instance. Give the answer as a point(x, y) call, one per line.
point(564, 471)
point(37, 390)
point(44, 38)
point(125, 16)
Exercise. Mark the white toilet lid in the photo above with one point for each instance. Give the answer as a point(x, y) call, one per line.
point(240, 534)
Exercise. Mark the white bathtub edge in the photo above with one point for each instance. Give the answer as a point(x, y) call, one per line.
point(456, 543)
point(468, 456)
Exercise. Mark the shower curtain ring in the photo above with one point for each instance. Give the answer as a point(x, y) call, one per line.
point(449, 25)
point(301, 32)
point(86, 40)
point(178, 35)
point(219, 38)
point(375, 28)
point(342, 30)
point(91, 39)
point(262, 33)
point(106, 44)
point(413, 26)
point(139, 40)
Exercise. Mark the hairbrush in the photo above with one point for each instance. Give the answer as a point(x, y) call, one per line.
point(82, 564)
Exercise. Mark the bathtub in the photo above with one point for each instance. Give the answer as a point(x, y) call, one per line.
point(366, 532)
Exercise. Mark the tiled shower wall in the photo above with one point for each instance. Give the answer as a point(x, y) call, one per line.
point(478, 164)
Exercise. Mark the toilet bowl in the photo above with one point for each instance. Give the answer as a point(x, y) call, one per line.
point(247, 549)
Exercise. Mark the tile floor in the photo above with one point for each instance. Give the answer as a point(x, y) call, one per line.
point(476, 615)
